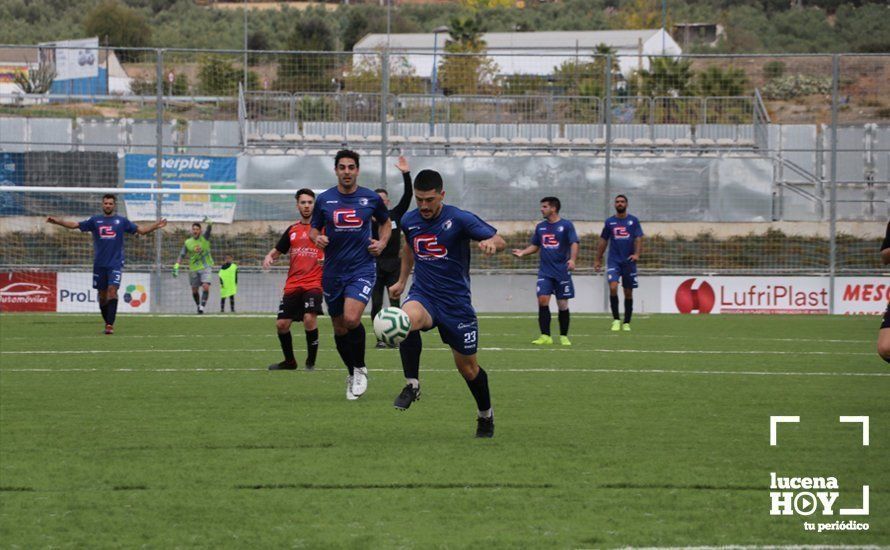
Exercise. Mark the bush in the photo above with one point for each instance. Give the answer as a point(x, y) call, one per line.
point(119, 26)
point(773, 69)
point(791, 86)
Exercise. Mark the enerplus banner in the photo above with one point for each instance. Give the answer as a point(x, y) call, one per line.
point(184, 177)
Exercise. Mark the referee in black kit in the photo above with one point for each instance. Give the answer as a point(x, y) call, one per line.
point(388, 262)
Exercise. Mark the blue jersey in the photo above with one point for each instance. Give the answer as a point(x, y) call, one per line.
point(441, 249)
point(621, 234)
point(346, 220)
point(108, 238)
point(555, 241)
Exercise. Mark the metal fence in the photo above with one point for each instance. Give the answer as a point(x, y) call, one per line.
point(732, 161)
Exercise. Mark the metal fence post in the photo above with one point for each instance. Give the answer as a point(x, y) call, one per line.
point(832, 228)
point(607, 186)
point(384, 127)
point(159, 153)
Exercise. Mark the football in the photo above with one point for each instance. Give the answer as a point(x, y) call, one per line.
point(392, 325)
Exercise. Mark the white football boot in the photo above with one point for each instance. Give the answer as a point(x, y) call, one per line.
point(349, 395)
point(359, 382)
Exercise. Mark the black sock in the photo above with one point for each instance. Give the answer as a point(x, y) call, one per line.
point(232, 303)
point(564, 322)
point(613, 301)
point(195, 296)
point(544, 319)
point(204, 296)
point(628, 309)
point(222, 305)
point(287, 346)
point(357, 342)
point(342, 343)
point(311, 346)
point(111, 311)
point(104, 309)
point(479, 388)
point(410, 349)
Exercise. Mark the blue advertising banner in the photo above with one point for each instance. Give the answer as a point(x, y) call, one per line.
point(185, 176)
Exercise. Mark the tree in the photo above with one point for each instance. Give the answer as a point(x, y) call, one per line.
point(119, 26)
point(670, 78)
point(219, 77)
point(467, 70)
point(309, 72)
point(729, 85)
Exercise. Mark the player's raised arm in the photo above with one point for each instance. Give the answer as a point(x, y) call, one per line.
point(72, 225)
point(153, 227)
point(402, 207)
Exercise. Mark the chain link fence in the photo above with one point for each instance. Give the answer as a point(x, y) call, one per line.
point(736, 164)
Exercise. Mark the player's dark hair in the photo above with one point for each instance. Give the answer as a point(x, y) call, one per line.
point(553, 201)
point(622, 197)
point(304, 191)
point(109, 196)
point(381, 190)
point(428, 180)
point(196, 224)
point(346, 154)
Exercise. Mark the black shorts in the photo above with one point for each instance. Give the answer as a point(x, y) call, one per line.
point(886, 322)
point(388, 272)
point(295, 305)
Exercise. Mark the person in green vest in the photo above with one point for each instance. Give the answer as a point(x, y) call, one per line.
point(228, 283)
point(197, 247)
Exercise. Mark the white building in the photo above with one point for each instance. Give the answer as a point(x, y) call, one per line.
point(531, 53)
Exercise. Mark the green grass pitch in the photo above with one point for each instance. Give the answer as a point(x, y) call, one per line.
point(171, 433)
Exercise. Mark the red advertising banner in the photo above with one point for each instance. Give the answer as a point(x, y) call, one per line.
point(27, 291)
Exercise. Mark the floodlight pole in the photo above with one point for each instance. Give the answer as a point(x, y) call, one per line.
point(245, 45)
point(663, 23)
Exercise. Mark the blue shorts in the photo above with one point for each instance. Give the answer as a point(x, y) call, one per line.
point(104, 277)
point(563, 289)
point(457, 324)
point(626, 271)
point(337, 289)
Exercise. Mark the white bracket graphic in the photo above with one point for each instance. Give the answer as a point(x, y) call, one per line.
point(858, 511)
point(773, 421)
point(864, 421)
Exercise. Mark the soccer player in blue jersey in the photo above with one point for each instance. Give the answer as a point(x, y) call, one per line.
point(346, 213)
point(108, 260)
point(437, 246)
point(557, 240)
point(624, 236)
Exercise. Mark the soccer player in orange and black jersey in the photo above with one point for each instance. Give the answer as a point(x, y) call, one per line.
point(301, 300)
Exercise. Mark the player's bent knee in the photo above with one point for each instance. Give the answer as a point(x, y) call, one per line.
point(283, 325)
point(884, 349)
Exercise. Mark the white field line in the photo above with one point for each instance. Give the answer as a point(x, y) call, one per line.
point(636, 335)
point(273, 315)
point(541, 349)
point(450, 371)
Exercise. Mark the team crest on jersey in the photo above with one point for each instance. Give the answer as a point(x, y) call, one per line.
point(549, 240)
point(428, 246)
point(363, 202)
point(346, 218)
point(447, 225)
point(559, 229)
